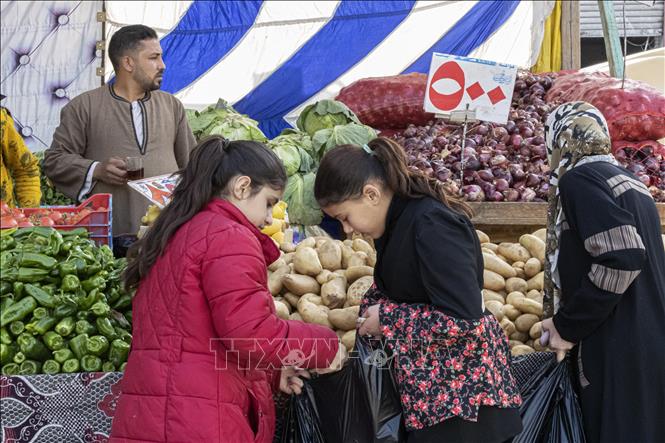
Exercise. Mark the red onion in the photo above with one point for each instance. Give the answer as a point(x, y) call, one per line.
point(486, 175)
point(501, 184)
point(528, 195)
point(473, 193)
point(511, 195)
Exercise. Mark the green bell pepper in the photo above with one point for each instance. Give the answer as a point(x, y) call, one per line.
point(10, 369)
point(66, 308)
point(71, 366)
point(83, 315)
point(105, 328)
point(5, 287)
point(118, 352)
point(101, 309)
point(65, 326)
point(42, 297)
point(32, 260)
point(97, 345)
point(51, 367)
point(30, 367)
point(33, 348)
point(16, 328)
point(85, 327)
point(39, 312)
point(107, 366)
point(41, 326)
point(54, 341)
point(91, 363)
point(67, 268)
point(70, 283)
point(87, 301)
point(7, 353)
point(124, 335)
point(96, 282)
point(78, 345)
point(19, 357)
point(7, 242)
point(62, 355)
point(18, 289)
point(18, 310)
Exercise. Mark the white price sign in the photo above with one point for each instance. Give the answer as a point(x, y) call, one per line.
point(455, 82)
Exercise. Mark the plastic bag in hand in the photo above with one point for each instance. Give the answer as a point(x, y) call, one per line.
point(550, 411)
point(358, 404)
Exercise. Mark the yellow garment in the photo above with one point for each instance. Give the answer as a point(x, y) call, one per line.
point(549, 59)
point(19, 169)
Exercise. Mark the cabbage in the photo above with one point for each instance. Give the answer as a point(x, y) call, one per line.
point(223, 120)
point(325, 114)
point(299, 195)
point(290, 157)
point(353, 133)
point(294, 148)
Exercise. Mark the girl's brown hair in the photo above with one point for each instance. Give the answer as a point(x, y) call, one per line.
point(212, 164)
point(346, 169)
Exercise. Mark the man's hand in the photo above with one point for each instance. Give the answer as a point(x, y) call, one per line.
point(556, 343)
point(112, 171)
point(290, 381)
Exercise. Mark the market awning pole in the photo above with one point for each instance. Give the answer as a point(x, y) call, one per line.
point(611, 37)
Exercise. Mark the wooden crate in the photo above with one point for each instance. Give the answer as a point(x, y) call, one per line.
point(507, 221)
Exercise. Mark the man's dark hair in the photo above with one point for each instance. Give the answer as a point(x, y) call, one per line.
point(127, 39)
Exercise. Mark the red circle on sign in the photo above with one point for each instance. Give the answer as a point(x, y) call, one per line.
point(447, 102)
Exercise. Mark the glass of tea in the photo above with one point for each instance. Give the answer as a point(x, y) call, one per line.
point(134, 168)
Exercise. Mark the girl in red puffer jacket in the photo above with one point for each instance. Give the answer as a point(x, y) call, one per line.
point(208, 348)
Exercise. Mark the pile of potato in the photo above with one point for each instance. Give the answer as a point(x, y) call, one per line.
point(322, 281)
point(513, 289)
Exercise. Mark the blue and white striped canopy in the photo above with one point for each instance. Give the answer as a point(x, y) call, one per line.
point(271, 58)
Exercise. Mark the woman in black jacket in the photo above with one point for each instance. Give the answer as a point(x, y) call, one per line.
point(450, 357)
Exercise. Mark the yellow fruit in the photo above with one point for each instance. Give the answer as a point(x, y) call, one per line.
point(278, 212)
point(278, 237)
point(275, 227)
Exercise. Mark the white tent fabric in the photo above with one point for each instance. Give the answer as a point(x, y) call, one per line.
point(268, 58)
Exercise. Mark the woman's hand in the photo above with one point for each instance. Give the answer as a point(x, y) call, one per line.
point(290, 381)
point(369, 322)
point(556, 343)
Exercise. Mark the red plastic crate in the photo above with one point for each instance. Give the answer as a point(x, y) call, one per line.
point(98, 222)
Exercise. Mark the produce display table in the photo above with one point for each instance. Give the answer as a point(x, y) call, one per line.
point(58, 408)
point(507, 221)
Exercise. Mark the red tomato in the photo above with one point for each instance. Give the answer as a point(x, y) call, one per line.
point(56, 217)
point(4, 209)
point(46, 221)
point(8, 222)
point(25, 224)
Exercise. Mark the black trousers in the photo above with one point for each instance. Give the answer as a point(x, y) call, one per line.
point(494, 425)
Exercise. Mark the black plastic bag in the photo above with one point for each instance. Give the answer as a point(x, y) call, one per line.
point(358, 404)
point(550, 411)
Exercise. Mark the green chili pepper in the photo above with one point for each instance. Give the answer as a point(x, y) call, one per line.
point(65, 326)
point(49, 289)
point(33, 348)
point(87, 301)
point(18, 310)
point(118, 352)
point(107, 366)
point(55, 241)
point(39, 312)
point(10, 369)
point(122, 367)
point(101, 309)
point(62, 355)
point(113, 295)
point(128, 316)
point(84, 327)
point(16, 328)
point(66, 246)
point(91, 363)
point(5, 337)
point(19, 357)
point(82, 315)
point(105, 328)
point(97, 345)
point(6, 303)
point(123, 302)
point(18, 289)
point(67, 268)
point(70, 366)
point(96, 282)
point(32, 260)
point(30, 367)
point(78, 232)
point(78, 345)
point(80, 265)
point(33, 233)
point(42, 297)
point(53, 341)
point(7, 353)
point(70, 283)
point(7, 242)
point(41, 326)
point(5, 287)
point(51, 367)
point(66, 308)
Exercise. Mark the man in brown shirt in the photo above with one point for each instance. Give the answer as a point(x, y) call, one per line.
point(99, 129)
